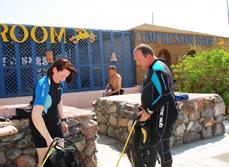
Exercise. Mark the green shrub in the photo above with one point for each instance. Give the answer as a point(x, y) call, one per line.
point(205, 72)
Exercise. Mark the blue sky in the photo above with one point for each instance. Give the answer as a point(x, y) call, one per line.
point(207, 16)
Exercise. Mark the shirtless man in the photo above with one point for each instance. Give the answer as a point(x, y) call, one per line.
point(115, 82)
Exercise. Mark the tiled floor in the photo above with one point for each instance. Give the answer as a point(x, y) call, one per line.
point(213, 152)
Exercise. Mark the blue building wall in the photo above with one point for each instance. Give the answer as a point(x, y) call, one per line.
point(23, 64)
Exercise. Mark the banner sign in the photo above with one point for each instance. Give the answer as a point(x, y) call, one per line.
point(8, 34)
point(174, 39)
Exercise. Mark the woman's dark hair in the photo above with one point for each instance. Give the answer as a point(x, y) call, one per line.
point(60, 65)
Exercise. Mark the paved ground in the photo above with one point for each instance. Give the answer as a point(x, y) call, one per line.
point(213, 152)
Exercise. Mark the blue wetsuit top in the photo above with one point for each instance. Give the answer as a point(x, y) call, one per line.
point(48, 94)
point(43, 94)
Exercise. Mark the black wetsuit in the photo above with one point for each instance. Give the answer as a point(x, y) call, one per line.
point(120, 92)
point(159, 101)
point(48, 94)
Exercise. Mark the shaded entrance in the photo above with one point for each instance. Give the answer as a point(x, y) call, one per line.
point(165, 55)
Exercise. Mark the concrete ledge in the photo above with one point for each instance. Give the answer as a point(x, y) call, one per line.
point(8, 110)
point(76, 99)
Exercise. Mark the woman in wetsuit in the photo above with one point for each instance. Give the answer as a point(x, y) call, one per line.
point(48, 120)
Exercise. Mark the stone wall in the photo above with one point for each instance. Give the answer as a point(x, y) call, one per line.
point(199, 117)
point(17, 149)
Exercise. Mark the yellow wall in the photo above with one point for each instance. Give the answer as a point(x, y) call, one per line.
point(176, 51)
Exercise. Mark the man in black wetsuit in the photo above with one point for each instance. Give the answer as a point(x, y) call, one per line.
point(159, 111)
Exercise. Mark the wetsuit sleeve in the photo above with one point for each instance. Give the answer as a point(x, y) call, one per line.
point(163, 93)
point(41, 93)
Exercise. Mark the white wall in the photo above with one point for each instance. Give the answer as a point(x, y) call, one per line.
point(79, 99)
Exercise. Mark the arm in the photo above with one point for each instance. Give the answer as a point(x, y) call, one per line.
point(62, 117)
point(108, 88)
point(160, 82)
point(39, 105)
point(60, 110)
point(39, 123)
point(156, 89)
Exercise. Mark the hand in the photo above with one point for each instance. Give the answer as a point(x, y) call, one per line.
point(144, 115)
point(64, 126)
point(108, 93)
point(49, 141)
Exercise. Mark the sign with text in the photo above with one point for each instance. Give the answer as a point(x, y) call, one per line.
point(174, 39)
point(10, 33)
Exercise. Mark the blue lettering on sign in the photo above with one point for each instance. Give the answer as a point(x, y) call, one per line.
point(159, 38)
point(181, 39)
point(173, 39)
point(152, 36)
point(211, 41)
point(191, 38)
point(204, 41)
point(143, 37)
point(176, 37)
point(186, 39)
point(162, 38)
point(137, 37)
point(198, 40)
point(165, 38)
point(146, 38)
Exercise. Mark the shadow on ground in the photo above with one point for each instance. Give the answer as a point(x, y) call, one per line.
point(111, 142)
point(198, 144)
point(118, 146)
